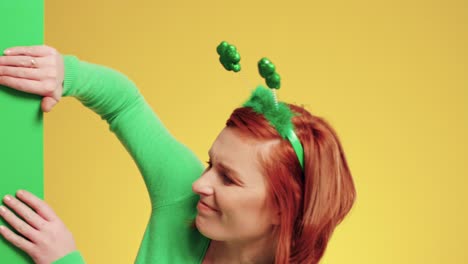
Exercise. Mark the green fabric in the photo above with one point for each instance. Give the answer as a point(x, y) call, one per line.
point(72, 258)
point(21, 118)
point(167, 166)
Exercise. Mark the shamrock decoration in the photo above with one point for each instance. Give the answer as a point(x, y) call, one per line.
point(228, 56)
point(264, 101)
point(268, 71)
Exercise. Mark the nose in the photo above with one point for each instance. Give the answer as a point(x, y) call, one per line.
point(203, 186)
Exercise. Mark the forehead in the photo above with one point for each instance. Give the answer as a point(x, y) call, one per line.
point(231, 142)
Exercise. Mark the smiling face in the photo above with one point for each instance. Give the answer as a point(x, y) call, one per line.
point(233, 192)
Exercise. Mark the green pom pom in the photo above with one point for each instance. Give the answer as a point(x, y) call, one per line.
point(231, 54)
point(222, 47)
point(265, 67)
point(229, 57)
point(274, 81)
point(268, 71)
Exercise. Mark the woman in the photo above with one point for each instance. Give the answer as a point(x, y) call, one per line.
point(253, 203)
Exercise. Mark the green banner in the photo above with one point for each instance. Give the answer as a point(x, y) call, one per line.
point(21, 127)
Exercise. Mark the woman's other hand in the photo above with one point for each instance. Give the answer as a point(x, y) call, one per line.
point(34, 69)
point(46, 239)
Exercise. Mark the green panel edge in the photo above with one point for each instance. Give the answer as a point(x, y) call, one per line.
point(21, 119)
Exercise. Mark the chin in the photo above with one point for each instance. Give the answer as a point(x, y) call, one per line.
point(206, 228)
point(201, 226)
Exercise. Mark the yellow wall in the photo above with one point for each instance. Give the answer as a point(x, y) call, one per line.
point(390, 76)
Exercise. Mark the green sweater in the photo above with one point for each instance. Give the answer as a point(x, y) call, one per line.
point(168, 167)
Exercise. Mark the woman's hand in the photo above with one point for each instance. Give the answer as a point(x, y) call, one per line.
point(47, 237)
point(34, 69)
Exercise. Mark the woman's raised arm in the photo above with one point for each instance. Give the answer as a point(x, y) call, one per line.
point(167, 166)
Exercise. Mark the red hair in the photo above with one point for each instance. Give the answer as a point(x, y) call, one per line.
point(311, 203)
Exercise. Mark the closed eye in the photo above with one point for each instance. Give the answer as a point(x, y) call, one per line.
point(227, 180)
point(224, 177)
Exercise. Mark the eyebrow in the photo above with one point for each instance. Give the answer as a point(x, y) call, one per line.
point(232, 173)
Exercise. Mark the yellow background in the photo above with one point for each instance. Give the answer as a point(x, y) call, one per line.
point(390, 76)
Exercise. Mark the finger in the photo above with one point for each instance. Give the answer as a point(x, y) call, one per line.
point(48, 103)
point(18, 224)
point(21, 61)
point(16, 240)
point(24, 85)
point(23, 73)
point(41, 207)
point(25, 212)
point(34, 51)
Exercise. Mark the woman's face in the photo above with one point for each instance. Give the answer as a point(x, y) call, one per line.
point(233, 204)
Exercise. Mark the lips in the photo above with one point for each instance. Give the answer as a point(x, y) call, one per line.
point(208, 206)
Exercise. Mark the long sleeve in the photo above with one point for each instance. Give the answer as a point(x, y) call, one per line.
point(167, 166)
point(71, 258)
point(163, 162)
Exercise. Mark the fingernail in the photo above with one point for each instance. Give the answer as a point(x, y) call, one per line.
point(7, 198)
point(2, 228)
point(2, 209)
point(20, 192)
point(6, 51)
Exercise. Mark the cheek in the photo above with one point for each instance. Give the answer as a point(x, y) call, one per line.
point(241, 208)
point(246, 217)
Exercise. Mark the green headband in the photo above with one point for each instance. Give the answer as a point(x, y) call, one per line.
point(263, 100)
point(278, 115)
